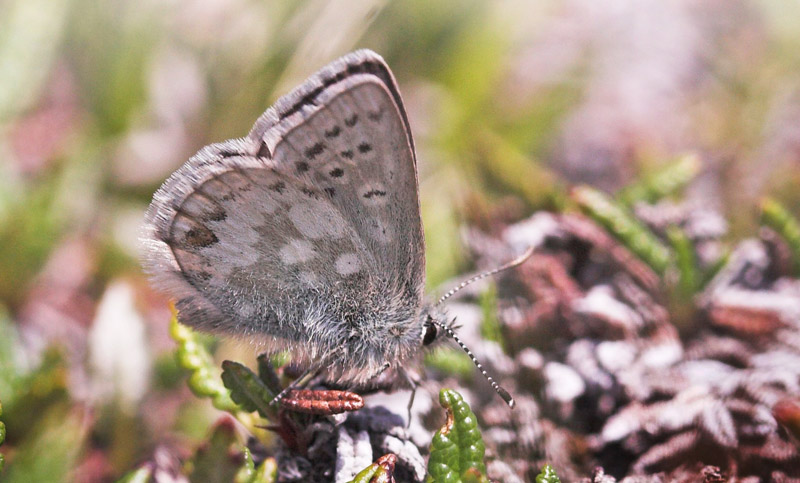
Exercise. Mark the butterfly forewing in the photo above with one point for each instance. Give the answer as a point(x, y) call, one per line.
point(356, 152)
point(307, 231)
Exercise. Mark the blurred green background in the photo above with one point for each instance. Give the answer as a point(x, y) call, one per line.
point(510, 103)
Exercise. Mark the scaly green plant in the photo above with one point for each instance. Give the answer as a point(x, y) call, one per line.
point(49, 450)
point(547, 475)
point(675, 262)
point(689, 277)
point(193, 357)
point(203, 380)
point(618, 220)
point(37, 393)
point(35, 408)
point(220, 459)
point(217, 460)
point(666, 181)
point(457, 449)
point(775, 216)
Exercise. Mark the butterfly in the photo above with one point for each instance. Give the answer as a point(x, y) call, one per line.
point(305, 235)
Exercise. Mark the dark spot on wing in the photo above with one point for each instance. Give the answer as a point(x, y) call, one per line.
point(351, 121)
point(364, 148)
point(347, 154)
point(263, 151)
point(228, 196)
point(218, 214)
point(330, 192)
point(310, 193)
point(369, 194)
point(228, 153)
point(314, 150)
point(200, 237)
point(302, 166)
point(336, 172)
point(375, 115)
point(333, 132)
point(280, 186)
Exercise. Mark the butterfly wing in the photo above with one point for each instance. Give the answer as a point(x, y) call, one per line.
point(307, 231)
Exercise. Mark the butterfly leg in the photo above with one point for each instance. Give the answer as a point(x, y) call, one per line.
point(301, 381)
point(381, 370)
point(414, 383)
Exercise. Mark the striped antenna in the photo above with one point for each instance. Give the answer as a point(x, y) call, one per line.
point(513, 263)
point(499, 390)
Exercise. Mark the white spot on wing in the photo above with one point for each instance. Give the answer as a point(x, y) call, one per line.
point(380, 231)
point(347, 264)
point(315, 219)
point(297, 251)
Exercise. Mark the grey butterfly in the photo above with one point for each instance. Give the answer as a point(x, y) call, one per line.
point(305, 235)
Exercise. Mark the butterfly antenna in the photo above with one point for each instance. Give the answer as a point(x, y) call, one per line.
point(499, 390)
point(513, 263)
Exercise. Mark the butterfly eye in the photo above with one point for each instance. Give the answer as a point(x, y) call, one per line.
point(430, 334)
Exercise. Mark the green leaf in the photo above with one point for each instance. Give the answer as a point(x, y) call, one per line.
point(623, 226)
point(267, 374)
point(776, 216)
point(547, 475)
point(457, 449)
point(247, 390)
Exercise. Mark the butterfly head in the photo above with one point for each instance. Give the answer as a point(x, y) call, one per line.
point(434, 326)
point(434, 321)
